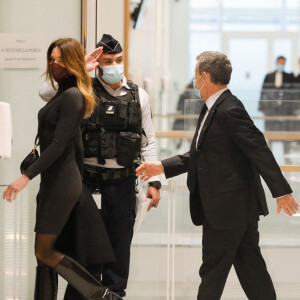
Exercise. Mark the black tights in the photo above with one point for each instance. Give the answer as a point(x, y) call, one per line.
point(45, 252)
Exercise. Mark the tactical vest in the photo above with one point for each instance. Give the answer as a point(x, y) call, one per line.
point(114, 130)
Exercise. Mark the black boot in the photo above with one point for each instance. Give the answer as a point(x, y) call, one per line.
point(83, 281)
point(45, 284)
point(72, 294)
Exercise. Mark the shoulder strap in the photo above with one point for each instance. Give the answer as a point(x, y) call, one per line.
point(98, 87)
point(134, 90)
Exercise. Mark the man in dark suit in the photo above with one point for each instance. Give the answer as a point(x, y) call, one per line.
point(227, 155)
point(278, 77)
point(276, 90)
point(276, 99)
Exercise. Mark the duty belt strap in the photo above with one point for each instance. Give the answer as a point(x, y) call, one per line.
point(103, 174)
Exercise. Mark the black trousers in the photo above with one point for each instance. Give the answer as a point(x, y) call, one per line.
point(118, 213)
point(238, 247)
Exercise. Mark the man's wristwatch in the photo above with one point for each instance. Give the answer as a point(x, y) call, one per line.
point(155, 184)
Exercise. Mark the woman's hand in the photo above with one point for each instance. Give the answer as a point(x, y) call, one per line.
point(91, 59)
point(12, 191)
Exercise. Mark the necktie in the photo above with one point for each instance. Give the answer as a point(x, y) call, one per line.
point(202, 114)
point(278, 79)
point(201, 117)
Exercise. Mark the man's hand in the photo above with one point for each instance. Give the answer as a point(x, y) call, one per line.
point(154, 195)
point(149, 169)
point(288, 204)
point(91, 59)
point(12, 191)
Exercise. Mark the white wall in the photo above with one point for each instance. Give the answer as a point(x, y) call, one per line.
point(110, 19)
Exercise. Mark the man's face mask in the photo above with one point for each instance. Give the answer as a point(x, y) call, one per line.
point(198, 92)
point(113, 74)
point(280, 67)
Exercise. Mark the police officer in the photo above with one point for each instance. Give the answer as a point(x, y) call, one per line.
point(116, 137)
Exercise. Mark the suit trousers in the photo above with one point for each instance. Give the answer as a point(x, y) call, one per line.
point(238, 247)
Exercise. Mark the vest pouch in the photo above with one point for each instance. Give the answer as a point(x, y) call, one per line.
point(90, 140)
point(134, 114)
point(129, 147)
point(112, 114)
point(108, 145)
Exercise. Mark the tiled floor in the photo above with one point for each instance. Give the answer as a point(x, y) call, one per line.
point(157, 291)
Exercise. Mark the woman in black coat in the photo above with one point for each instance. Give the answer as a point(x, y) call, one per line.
point(65, 210)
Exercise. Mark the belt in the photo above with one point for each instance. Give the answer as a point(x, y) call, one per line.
point(98, 173)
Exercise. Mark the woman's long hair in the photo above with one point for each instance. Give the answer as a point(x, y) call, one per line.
point(73, 57)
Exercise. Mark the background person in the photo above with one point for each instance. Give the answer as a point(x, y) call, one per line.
point(276, 99)
point(279, 76)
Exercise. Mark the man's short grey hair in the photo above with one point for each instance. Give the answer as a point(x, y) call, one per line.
point(217, 65)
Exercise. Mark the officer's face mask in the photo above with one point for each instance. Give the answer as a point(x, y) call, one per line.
point(59, 73)
point(280, 67)
point(113, 74)
point(198, 92)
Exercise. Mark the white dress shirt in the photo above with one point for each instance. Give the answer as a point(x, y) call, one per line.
point(209, 103)
point(278, 79)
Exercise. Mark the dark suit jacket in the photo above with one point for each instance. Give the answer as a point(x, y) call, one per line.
point(297, 78)
point(286, 77)
point(223, 174)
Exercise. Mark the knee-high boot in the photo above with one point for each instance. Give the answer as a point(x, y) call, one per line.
point(72, 294)
point(45, 284)
point(83, 281)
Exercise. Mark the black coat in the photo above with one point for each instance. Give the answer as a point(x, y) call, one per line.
point(286, 77)
point(223, 174)
point(297, 79)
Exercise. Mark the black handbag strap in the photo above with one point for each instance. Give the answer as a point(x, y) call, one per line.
point(37, 139)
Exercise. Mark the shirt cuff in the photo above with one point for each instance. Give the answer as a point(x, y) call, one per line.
point(281, 196)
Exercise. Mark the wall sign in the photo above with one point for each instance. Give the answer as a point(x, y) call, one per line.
point(22, 50)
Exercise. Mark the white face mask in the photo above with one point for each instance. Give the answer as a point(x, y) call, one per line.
point(280, 67)
point(198, 92)
point(113, 74)
point(47, 92)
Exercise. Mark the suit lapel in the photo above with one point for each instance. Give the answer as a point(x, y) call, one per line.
point(211, 114)
point(206, 125)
